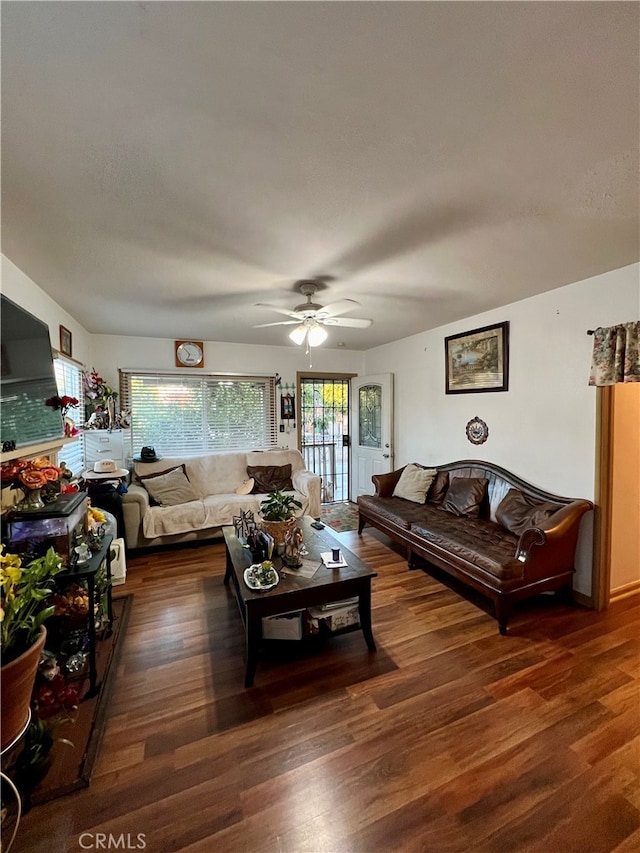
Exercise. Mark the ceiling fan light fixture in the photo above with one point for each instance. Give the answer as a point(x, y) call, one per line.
point(317, 335)
point(298, 334)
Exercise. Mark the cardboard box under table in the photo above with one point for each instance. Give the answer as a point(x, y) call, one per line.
point(336, 616)
point(284, 626)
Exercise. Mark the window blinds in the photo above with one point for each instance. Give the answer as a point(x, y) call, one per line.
point(69, 382)
point(184, 415)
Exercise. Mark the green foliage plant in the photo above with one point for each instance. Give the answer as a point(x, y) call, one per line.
point(23, 607)
point(279, 506)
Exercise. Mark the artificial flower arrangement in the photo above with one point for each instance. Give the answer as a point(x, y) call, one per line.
point(95, 386)
point(63, 404)
point(29, 474)
point(95, 517)
point(23, 605)
point(96, 521)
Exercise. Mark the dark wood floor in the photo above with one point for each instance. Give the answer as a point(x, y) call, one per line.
point(449, 738)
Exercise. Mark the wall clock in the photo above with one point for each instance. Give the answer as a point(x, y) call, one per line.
point(189, 353)
point(477, 431)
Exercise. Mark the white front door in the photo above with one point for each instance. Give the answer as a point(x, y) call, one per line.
point(372, 434)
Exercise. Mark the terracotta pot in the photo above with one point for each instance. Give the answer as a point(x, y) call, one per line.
point(277, 529)
point(16, 680)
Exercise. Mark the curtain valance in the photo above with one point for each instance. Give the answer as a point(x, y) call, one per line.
point(616, 354)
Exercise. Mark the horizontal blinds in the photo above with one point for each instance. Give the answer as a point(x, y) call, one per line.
point(69, 382)
point(184, 415)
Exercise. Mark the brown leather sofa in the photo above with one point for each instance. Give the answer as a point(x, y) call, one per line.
point(504, 537)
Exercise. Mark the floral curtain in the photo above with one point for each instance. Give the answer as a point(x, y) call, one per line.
point(616, 354)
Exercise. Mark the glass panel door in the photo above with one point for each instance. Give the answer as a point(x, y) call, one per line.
point(324, 432)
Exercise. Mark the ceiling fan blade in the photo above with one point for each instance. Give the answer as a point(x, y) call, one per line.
point(279, 323)
point(339, 307)
point(284, 311)
point(347, 322)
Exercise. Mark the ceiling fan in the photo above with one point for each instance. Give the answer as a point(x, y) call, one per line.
point(309, 317)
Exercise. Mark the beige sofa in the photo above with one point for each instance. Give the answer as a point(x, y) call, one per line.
point(215, 478)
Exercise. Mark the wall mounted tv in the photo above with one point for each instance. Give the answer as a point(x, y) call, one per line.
point(27, 378)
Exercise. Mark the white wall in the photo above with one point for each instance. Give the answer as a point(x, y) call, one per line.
point(543, 427)
point(108, 353)
point(24, 292)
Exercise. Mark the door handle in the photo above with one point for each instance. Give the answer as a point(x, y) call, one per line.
point(385, 455)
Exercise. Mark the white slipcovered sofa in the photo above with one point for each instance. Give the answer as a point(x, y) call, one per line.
point(214, 478)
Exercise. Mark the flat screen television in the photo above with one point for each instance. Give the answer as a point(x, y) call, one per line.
point(27, 379)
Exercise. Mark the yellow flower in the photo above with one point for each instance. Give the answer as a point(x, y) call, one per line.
point(9, 560)
point(10, 575)
point(96, 516)
point(1, 613)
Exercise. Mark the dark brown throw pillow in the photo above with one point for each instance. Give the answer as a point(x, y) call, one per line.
point(438, 488)
point(517, 512)
point(269, 477)
point(465, 495)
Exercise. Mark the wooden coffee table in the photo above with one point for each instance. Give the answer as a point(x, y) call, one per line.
point(294, 593)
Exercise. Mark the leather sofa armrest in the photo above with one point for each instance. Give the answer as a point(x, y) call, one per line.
point(135, 503)
point(309, 485)
point(386, 483)
point(551, 546)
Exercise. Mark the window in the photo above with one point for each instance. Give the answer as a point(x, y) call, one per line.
point(183, 415)
point(69, 382)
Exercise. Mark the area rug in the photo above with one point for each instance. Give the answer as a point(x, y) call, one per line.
point(340, 516)
point(73, 764)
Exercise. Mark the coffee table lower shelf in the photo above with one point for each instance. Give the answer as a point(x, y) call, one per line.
point(294, 594)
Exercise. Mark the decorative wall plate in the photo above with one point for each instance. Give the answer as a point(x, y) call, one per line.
point(477, 431)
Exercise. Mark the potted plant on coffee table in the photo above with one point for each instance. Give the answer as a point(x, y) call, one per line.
point(278, 514)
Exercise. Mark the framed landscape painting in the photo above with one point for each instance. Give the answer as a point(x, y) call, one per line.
point(478, 360)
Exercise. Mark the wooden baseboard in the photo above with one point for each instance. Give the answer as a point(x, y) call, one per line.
point(625, 591)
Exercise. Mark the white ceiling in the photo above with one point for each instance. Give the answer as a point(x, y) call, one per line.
point(165, 166)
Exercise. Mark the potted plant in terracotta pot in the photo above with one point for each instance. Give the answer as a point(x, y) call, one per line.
point(23, 611)
point(278, 514)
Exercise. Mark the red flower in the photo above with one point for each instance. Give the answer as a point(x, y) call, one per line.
point(62, 404)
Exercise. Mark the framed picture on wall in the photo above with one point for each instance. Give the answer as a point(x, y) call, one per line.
point(477, 360)
point(287, 407)
point(65, 341)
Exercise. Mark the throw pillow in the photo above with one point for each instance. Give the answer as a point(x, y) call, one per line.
point(414, 483)
point(144, 477)
point(517, 512)
point(465, 495)
point(270, 477)
point(141, 479)
point(246, 487)
point(171, 488)
point(438, 488)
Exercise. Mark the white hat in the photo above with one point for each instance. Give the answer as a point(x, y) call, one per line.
point(105, 469)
